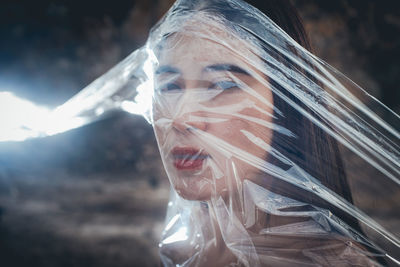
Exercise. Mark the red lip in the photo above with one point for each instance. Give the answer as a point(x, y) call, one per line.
point(188, 158)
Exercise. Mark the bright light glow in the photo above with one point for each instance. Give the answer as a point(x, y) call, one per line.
point(21, 119)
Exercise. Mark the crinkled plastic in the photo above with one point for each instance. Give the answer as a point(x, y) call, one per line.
point(274, 157)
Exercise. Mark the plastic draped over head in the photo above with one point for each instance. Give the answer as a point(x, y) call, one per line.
point(274, 157)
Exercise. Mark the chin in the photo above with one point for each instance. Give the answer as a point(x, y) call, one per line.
point(200, 189)
point(193, 191)
point(196, 185)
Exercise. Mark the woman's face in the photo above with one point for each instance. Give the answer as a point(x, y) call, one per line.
point(212, 111)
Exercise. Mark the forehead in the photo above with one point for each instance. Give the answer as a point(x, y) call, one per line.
point(199, 43)
point(181, 49)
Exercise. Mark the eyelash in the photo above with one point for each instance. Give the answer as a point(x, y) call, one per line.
point(224, 85)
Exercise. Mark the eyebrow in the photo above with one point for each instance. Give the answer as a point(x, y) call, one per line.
point(167, 69)
point(216, 67)
point(226, 67)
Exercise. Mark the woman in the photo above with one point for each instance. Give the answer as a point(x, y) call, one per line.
point(256, 169)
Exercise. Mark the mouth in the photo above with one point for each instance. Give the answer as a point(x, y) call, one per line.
point(188, 158)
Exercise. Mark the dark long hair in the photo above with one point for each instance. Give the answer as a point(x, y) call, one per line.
point(313, 150)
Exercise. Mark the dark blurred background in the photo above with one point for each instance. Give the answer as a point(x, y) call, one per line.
point(96, 196)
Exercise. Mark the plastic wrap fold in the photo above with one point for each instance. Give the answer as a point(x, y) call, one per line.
point(275, 158)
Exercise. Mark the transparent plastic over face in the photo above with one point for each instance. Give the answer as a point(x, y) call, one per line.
point(274, 157)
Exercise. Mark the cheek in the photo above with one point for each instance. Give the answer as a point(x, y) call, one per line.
point(240, 132)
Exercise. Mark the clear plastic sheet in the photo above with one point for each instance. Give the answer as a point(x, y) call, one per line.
point(274, 157)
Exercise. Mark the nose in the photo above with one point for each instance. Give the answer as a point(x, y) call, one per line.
point(189, 122)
